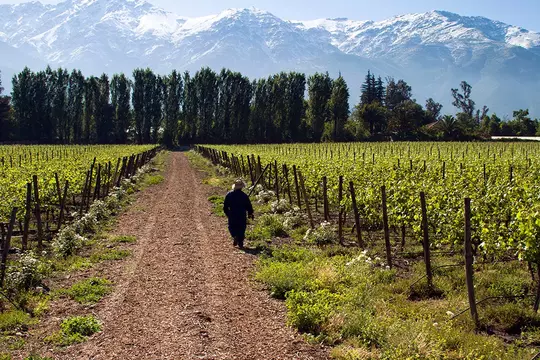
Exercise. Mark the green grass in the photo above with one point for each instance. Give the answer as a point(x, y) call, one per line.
point(14, 320)
point(75, 329)
point(336, 296)
point(217, 201)
point(124, 239)
point(109, 254)
point(88, 291)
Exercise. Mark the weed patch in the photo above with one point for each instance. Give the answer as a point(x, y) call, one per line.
point(217, 201)
point(109, 254)
point(88, 291)
point(75, 329)
point(14, 320)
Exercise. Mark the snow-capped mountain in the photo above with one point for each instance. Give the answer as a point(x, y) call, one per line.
point(433, 51)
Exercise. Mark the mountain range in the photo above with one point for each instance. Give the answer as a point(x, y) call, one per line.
point(432, 51)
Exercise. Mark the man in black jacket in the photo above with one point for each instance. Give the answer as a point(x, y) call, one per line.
point(236, 206)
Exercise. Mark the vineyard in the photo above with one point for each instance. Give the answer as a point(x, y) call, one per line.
point(427, 209)
point(43, 187)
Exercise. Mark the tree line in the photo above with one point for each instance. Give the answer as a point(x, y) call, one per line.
point(57, 106)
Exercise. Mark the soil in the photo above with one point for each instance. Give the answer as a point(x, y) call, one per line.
point(186, 292)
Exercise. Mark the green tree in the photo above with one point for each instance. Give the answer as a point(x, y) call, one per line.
point(462, 100)
point(74, 108)
point(433, 110)
point(339, 108)
point(369, 91)
point(375, 116)
point(173, 97)
point(405, 118)
point(6, 126)
point(22, 93)
point(319, 93)
point(397, 93)
point(59, 105)
point(295, 106)
point(91, 93)
point(120, 99)
point(138, 100)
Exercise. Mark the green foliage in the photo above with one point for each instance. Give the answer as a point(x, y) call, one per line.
point(109, 254)
point(217, 201)
point(268, 226)
point(75, 329)
point(89, 291)
point(28, 272)
point(14, 320)
point(283, 277)
point(310, 311)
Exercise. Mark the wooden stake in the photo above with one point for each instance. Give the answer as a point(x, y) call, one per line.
point(386, 230)
point(306, 201)
point(469, 271)
point(356, 216)
point(340, 217)
point(425, 243)
point(297, 187)
point(5, 246)
point(27, 215)
point(38, 213)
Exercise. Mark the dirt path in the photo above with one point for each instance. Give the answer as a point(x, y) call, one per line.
point(185, 294)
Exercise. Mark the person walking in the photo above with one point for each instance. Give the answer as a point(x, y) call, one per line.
point(236, 206)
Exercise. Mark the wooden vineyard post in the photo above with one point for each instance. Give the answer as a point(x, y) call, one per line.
point(58, 190)
point(97, 190)
point(251, 171)
point(83, 195)
point(63, 206)
point(276, 179)
point(287, 182)
point(38, 214)
point(6, 244)
point(425, 242)
point(306, 201)
point(340, 216)
point(260, 178)
point(297, 188)
point(469, 271)
point(356, 216)
point(386, 230)
point(27, 215)
point(112, 180)
point(325, 198)
point(537, 299)
point(243, 165)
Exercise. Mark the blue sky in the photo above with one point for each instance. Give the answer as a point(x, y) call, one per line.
point(522, 13)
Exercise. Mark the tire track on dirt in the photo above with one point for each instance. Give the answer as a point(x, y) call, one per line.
point(186, 294)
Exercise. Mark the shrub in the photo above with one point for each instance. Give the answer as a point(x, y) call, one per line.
point(283, 277)
point(268, 226)
point(67, 242)
point(310, 311)
point(265, 196)
point(28, 272)
point(280, 206)
point(362, 325)
point(14, 320)
point(74, 330)
point(322, 235)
